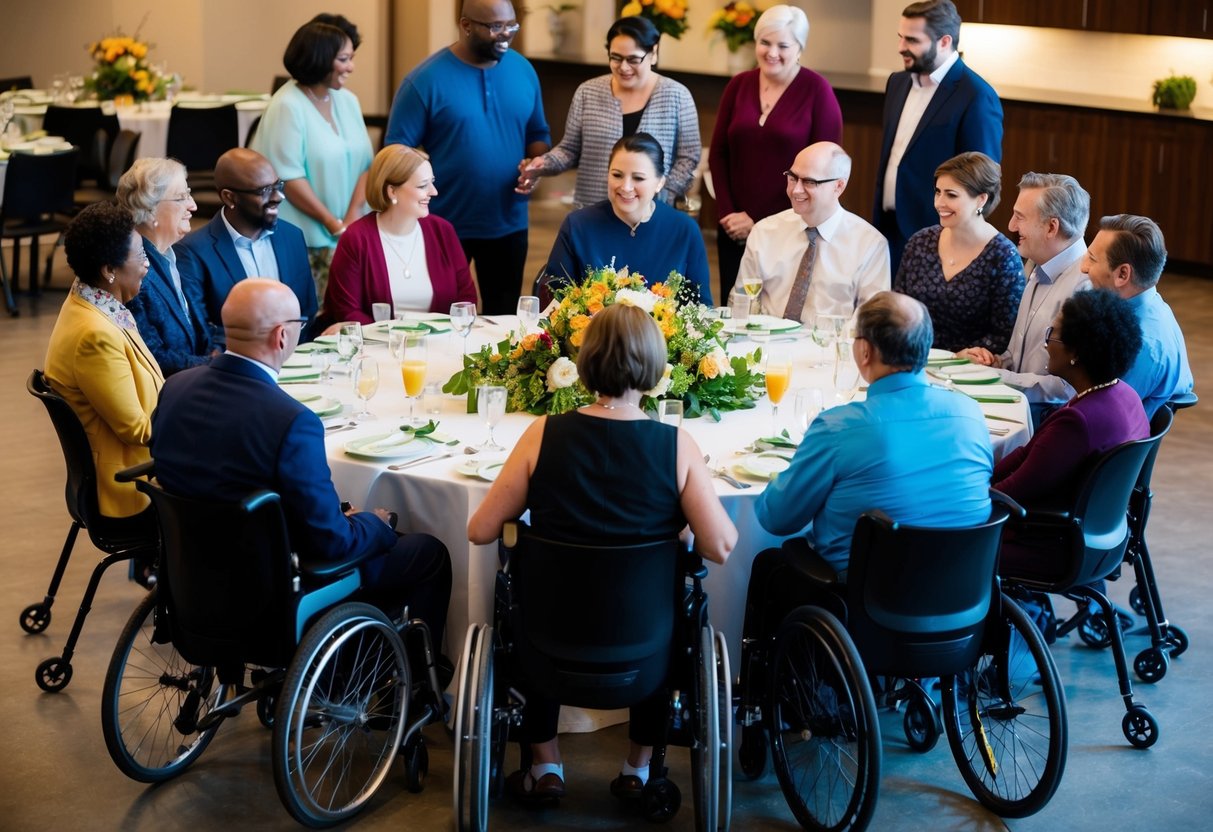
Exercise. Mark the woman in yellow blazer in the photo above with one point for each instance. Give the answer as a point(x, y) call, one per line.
point(96, 359)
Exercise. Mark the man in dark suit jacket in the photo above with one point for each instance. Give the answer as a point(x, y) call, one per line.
point(246, 239)
point(227, 429)
point(933, 111)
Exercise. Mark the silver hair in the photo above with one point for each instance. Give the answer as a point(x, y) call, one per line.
point(783, 17)
point(1062, 197)
point(141, 189)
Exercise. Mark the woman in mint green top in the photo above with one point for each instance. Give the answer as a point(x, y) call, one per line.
point(313, 134)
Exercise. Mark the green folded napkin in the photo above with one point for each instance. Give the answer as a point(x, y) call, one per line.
point(777, 442)
point(299, 378)
point(995, 398)
point(947, 362)
point(959, 379)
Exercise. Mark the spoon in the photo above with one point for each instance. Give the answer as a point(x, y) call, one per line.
point(470, 449)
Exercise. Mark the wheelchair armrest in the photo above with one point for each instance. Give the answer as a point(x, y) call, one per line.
point(1015, 509)
point(331, 568)
point(135, 472)
point(692, 565)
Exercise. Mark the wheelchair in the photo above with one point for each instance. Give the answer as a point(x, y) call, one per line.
point(644, 628)
point(917, 602)
point(330, 676)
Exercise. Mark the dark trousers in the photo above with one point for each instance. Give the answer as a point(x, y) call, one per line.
point(729, 252)
point(777, 587)
point(416, 573)
point(499, 263)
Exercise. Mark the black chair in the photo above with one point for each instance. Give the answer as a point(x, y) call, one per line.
point(121, 156)
point(1087, 541)
point(91, 130)
point(278, 82)
point(376, 126)
point(333, 679)
point(596, 627)
point(38, 193)
point(55, 673)
point(197, 137)
point(18, 82)
point(918, 602)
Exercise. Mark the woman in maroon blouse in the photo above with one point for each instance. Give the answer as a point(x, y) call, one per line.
point(767, 115)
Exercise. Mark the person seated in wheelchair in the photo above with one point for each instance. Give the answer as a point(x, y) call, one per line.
point(919, 453)
point(1091, 344)
point(226, 429)
point(583, 480)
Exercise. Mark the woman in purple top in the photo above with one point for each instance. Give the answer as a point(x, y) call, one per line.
point(766, 116)
point(1091, 344)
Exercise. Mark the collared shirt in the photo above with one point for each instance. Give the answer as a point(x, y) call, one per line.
point(256, 256)
point(919, 453)
point(175, 277)
point(922, 90)
point(1161, 369)
point(107, 302)
point(265, 368)
point(1025, 363)
point(852, 262)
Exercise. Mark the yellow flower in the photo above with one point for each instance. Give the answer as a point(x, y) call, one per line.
point(707, 367)
point(495, 357)
point(139, 50)
point(594, 307)
point(579, 322)
point(661, 290)
point(600, 289)
point(631, 9)
point(529, 342)
point(577, 337)
point(516, 353)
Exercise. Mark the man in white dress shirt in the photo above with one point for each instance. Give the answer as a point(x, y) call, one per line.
point(1050, 215)
point(851, 262)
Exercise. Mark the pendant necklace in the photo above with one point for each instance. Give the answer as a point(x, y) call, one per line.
point(652, 208)
point(618, 406)
point(1096, 387)
point(415, 235)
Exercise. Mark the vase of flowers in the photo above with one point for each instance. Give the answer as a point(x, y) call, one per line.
point(122, 71)
point(669, 16)
point(539, 370)
point(735, 22)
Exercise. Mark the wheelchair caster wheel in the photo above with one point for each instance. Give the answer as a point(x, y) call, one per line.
point(1136, 602)
point(921, 724)
point(416, 765)
point(266, 706)
point(752, 753)
point(35, 618)
point(1140, 727)
point(53, 674)
point(1150, 665)
point(1177, 639)
point(660, 800)
point(1094, 631)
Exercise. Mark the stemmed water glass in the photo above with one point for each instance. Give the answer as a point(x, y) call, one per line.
point(463, 315)
point(777, 370)
point(490, 402)
point(528, 312)
point(846, 371)
point(322, 360)
point(413, 366)
point(808, 404)
point(349, 340)
point(366, 384)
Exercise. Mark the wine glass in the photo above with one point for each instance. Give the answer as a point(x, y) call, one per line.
point(528, 312)
point(463, 315)
point(807, 405)
point(349, 339)
point(413, 365)
point(751, 285)
point(777, 370)
point(846, 371)
point(490, 402)
point(366, 384)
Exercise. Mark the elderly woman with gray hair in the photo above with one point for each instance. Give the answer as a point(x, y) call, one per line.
point(170, 312)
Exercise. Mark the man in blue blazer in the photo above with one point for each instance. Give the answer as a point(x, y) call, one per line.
point(246, 239)
point(934, 110)
point(227, 429)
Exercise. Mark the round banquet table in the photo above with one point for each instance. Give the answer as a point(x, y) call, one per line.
point(434, 497)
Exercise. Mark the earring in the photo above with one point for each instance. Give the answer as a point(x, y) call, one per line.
point(110, 278)
point(395, 201)
point(1073, 361)
point(155, 223)
point(979, 210)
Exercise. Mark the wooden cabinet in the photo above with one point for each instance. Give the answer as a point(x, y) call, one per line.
point(1182, 18)
point(1129, 16)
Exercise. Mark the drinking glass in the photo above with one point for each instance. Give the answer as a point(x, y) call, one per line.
point(669, 412)
point(349, 339)
point(381, 312)
point(463, 315)
point(751, 285)
point(413, 366)
point(740, 307)
point(366, 384)
point(322, 361)
point(490, 402)
point(846, 372)
point(808, 404)
point(528, 312)
point(777, 370)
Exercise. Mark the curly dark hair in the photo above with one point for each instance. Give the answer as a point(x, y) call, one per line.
point(99, 236)
point(1102, 331)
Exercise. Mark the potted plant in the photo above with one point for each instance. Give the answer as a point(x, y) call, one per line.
point(1174, 92)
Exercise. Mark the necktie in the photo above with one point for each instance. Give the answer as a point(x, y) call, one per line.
point(804, 274)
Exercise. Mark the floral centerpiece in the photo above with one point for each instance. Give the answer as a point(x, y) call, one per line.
point(736, 22)
point(669, 16)
point(122, 69)
point(539, 370)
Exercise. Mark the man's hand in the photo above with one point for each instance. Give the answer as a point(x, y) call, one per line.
point(979, 355)
point(737, 225)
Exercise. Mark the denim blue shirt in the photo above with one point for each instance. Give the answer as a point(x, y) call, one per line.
point(919, 453)
point(1161, 369)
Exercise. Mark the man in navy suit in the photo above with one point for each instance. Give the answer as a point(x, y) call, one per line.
point(934, 110)
point(227, 429)
point(246, 239)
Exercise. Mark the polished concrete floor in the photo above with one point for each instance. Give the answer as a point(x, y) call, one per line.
point(55, 773)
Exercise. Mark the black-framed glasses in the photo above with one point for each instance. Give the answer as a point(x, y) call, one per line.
point(300, 321)
point(631, 60)
point(808, 182)
point(264, 191)
point(1049, 336)
point(498, 29)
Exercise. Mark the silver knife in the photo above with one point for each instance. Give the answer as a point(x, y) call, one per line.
point(419, 461)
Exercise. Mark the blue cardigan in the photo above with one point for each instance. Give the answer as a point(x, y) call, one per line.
point(178, 340)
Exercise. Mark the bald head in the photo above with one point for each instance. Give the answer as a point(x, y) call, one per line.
point(260, 318)
point(238, 174)
point(823, 162)
point(898, 328)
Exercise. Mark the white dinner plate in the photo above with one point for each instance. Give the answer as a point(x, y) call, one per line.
point(763, 466)
point(484, 469)
point(940, 355)
point(320, 405)
point(760, 324)
point(970, 374)
point(298, 375)
point(393, 445)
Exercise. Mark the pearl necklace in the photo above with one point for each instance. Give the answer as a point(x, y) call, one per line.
point(314, 97)
point(1096, 387)
point(618, 406)
point(415, 234)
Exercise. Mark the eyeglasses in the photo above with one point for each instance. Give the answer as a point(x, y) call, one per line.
point(808, 182)
point(498, 29)
point(1049, 336)
point(630, 60)
point(300, 321)
point(186, 197)
point(264, 191)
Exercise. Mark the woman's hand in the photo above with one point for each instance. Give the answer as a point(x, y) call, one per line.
point(529, 171)
point(979, 355)
point(334, 226)
point(737, 225)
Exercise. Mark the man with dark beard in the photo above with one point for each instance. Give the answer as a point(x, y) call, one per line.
point(934, 110)
point(476, 110)
point(246, 239)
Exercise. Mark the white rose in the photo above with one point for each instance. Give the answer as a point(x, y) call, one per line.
point(721, 359)
point(663, 383)
point(562, 373)
point(632, 297)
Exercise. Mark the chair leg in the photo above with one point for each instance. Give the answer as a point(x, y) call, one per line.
point(50, 262)
point(1082, 594)
point(86, 603)
point(8, 291)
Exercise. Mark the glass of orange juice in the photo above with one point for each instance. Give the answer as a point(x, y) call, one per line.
point(778, 373)
point(366, 384)
point(413, 364)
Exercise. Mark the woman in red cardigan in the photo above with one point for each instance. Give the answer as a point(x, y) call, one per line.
point(398, 254)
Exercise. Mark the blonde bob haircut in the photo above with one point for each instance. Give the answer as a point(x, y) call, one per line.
point(623, 350)
point(394, 165)
point(141, 189)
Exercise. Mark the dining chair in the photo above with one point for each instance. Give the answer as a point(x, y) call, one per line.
point(18, 82)
point(88, 128)
point(121, 157)
point(197, 137)
point(38, 192)
point(278, 82)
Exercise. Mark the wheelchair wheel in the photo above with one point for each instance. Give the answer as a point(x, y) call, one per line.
point(1006, 718)
point(752, 747)
point(1094, 631)
point(474, 744)
point(1177, 639)
point(152, 701)
point(1151, 665)
point(921, 724)
point(825, 738)
point(1137, 602)
point(711, 763)
point(341, 715)
point(36, 617)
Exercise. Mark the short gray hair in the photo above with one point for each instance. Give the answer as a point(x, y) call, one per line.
point(783, 17)
point(141, 189)
point(1062, 197)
